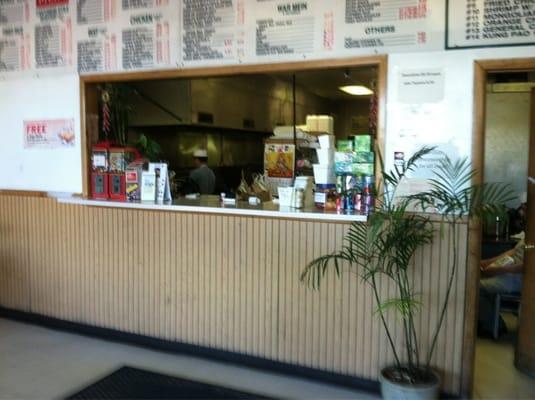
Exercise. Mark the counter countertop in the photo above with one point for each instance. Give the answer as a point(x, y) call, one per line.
point(212, 205)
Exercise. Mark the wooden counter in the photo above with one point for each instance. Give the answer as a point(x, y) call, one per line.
point(224, 282)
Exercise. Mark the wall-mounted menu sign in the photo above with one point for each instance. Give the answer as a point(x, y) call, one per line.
point(481, 23)
point(14, 12)
point(212, 30)
point(146, 33)
point(284, 27)
point(391, 25)
point(96, 35)
point(53, 33)
point(14, 36)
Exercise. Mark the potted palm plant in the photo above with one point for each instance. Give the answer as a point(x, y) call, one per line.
point(383, 249)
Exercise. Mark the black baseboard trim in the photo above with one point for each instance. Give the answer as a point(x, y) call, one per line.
point(189, 349)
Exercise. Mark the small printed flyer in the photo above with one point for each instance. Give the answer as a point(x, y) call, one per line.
point(50, 134)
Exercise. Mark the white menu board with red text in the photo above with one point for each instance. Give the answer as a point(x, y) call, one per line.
point(15, 36)
point(97, 35)
point(212, 31)
point(53, 34)
point(149, 34)
point(384, 26)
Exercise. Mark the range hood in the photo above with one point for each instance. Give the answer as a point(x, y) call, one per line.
point(242, 104)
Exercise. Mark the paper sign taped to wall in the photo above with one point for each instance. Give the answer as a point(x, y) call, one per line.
point(417, 86)
point(49, 133)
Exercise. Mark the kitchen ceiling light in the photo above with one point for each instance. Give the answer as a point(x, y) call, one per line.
point(356, 90)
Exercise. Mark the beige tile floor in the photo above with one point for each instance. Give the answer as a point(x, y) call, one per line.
point(495, 375)
point(40, 363)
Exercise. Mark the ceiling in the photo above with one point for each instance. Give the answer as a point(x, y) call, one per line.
point(325, 83)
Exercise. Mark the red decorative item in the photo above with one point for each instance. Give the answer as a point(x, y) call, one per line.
point(106, 117)
point(373, 114)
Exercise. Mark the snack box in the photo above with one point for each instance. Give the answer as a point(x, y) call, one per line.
point(344, 145)
point(133, 181)
point(366, 169)
point(362, 143)
point(343, 162)
point(364, 157)
point(344, 157)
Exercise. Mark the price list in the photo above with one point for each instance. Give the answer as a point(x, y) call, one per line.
point(145, 41)
point(97, 51)
point(53, 34)
point(480, 23)
point(284, 28)
point(387, 23)
point(94, 11)
point(14, 12)
point(15, 38)
point(137, 4)
point(208, 29)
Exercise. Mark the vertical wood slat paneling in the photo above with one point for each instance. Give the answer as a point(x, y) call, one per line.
point(225, 282)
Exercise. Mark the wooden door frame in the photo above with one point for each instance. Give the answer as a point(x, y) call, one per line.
point(481, 70)
point(380, 62)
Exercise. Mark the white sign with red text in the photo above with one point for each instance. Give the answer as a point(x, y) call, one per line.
point(49, 133)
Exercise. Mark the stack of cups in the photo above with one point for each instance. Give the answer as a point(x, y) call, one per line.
point(324, 170)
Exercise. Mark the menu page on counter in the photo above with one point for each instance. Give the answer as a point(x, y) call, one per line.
point(212, 30)
point(53, 33)
point(96, 35)
point(148, 28)
point(480, 23)
point(391, 25)
point(15, 38)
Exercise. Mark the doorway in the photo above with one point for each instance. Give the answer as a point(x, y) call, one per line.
point(504, 127)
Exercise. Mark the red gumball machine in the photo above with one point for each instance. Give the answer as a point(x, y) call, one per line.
point(119, 158)
point(99, 171)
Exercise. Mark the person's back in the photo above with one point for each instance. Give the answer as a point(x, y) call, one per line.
point(204, 177)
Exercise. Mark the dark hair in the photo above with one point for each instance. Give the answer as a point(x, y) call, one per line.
point(202, 159)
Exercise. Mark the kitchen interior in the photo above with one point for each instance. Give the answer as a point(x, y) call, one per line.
point(234, 117)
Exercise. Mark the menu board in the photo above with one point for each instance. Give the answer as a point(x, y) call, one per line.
point(146, 33)
point(15, 39)
point(283, 27)
point(53, 33)
point(391, 25)
point(480, 23)
point(96, 35)
point(212, 30)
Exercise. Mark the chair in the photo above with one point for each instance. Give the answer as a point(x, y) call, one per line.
point(510, 302)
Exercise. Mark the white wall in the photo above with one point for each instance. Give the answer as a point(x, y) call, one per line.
point(52, 170)
point(452, 117)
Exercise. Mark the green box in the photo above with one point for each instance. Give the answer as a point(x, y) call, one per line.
point(343, 168)
point(344, 145)
point(365, 169)
point(364, 157)
point(362, 143)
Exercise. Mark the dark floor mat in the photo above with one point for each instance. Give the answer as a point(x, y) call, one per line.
point(133, 383)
